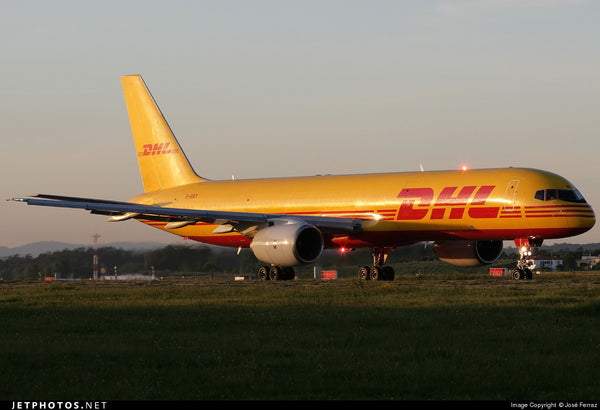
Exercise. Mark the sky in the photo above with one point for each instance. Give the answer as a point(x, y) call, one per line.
point(274, 88)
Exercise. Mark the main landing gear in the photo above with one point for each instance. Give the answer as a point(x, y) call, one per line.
point(378, 271)
point(275, 273)
point(525, 264)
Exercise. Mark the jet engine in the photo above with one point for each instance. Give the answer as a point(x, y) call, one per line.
point(468, 253)
point(288, 244)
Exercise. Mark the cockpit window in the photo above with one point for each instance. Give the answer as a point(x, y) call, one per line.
point(566, 195)
point(570, 196)
point(541, 194)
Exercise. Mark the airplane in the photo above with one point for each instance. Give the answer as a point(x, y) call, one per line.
point(289, 221)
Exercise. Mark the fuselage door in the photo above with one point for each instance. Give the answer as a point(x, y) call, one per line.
point(510, 194)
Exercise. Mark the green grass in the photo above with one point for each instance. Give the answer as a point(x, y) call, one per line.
point(433, 336)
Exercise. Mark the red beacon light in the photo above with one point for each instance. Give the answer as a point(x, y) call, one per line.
point(464, 168)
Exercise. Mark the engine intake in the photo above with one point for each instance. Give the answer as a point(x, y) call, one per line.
point(288, 244)
point(468, 253)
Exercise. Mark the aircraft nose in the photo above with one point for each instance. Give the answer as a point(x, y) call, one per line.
point(591, 218)
point(584, 219)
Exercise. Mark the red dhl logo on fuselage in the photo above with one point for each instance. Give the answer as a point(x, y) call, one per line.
point(450, 199)
point(157, 149)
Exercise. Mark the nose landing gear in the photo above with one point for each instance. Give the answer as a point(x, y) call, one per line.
point(525, 264)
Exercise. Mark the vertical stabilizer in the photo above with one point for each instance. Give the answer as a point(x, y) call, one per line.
point(162, 162)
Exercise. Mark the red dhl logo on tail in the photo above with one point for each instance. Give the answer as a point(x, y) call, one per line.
point(157, 149)
point(449, 198)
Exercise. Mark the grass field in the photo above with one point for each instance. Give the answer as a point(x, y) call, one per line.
point(427, 337)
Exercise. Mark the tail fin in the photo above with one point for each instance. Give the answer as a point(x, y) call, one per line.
point(162, 161)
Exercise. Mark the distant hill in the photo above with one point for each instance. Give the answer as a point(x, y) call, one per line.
point(572, 246)
point(37, 248)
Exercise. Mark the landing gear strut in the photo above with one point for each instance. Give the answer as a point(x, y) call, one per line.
point(378, 271)
point(525, 265)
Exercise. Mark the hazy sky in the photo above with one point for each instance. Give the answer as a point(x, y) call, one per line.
point(282, 88)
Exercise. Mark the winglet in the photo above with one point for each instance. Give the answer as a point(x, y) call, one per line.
point(162, 162)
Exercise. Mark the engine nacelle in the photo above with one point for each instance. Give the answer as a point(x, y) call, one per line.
point(288, 244)
point(468, 253)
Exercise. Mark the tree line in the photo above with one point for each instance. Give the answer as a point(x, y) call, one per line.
point(186, 259)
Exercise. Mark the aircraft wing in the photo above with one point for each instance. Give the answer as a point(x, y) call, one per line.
point(246, 223)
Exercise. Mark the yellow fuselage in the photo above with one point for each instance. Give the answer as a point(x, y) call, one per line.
point(396, 208)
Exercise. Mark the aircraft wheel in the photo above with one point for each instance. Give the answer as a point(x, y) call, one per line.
point(376, 273)
point(275, 273)
point(388, 273)
point(263, 273)
point(527, 274)
point(288, 274)
point(516, 274)
point(363, 273)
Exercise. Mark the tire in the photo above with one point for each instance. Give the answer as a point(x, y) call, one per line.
point(516, 274)
point(388, 273)
point(275, 273)
point(376, 273)
point(363, 273)
point(263, 273)
point(288, 274)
